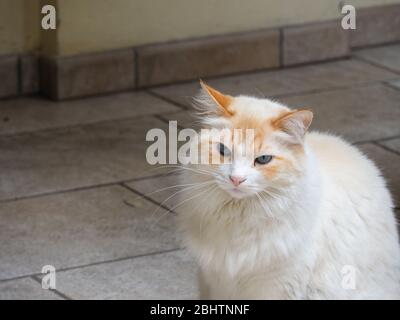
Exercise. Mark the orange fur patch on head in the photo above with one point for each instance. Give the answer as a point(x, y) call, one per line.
point(279, 164)
point(269, 171)
point(294, 123)
point(261, 128)
point(222, 100)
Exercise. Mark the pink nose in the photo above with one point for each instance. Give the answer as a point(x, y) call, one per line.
point(237, 180)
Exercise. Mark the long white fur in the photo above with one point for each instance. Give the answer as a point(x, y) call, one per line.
point(296, 243)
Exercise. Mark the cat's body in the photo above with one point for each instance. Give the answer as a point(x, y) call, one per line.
point(331, 218)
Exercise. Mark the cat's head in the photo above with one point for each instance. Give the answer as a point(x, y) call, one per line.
point(273, 160)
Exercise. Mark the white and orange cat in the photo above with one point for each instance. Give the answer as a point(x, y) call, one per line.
point(308, 217)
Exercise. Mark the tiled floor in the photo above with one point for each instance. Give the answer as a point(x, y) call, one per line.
point(73, 175)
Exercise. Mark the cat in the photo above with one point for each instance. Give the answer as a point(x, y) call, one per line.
point(309, 217)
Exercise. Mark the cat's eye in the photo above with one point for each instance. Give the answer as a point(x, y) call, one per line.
point(264, 159)
point(223, 150)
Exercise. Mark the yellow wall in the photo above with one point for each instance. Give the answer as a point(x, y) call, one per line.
point(96, 25)
point(92, 25)
point(19, 26)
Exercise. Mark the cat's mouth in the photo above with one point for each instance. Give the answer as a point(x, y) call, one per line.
point(236, 192)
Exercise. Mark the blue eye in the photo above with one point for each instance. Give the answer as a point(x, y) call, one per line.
point(263, 159)
point(223, 150)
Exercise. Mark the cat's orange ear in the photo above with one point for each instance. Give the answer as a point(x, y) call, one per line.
point(294, 123)
point(223, 101)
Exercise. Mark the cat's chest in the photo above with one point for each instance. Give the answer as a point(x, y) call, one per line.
point(270, 281)
point(233, 250)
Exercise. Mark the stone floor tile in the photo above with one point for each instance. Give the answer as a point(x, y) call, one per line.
point(78, 228)
point(388, 56)
point(367, 113)
point(284, 82)
point(51, 161)
point(34, 113)
point(389, 163)
point(25, 289)
point(170, 275)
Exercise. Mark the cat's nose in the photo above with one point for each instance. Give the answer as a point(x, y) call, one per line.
point(237, 180)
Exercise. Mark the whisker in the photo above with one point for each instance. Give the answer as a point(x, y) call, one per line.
point(179, 204)
point(262, 205)
point(163, 189)
point(183, 190)
point(186, 200)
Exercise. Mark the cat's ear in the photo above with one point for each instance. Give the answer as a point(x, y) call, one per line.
point(295, 124)
point(216, 102)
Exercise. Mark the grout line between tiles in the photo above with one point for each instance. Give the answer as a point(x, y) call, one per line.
point(94, 264)
point(321, 90)
point(388, 138)
point(376, 64)
point(147, 198)
point(390, 85)
point(374, 46)
point(161, 118)
point(376, 140)
point(25, 276)
point(358, 85)
point(155, 253)
point(75, 126)
point(166, 99)
point(55, 291)
point(386, 148)
point(327, 90)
